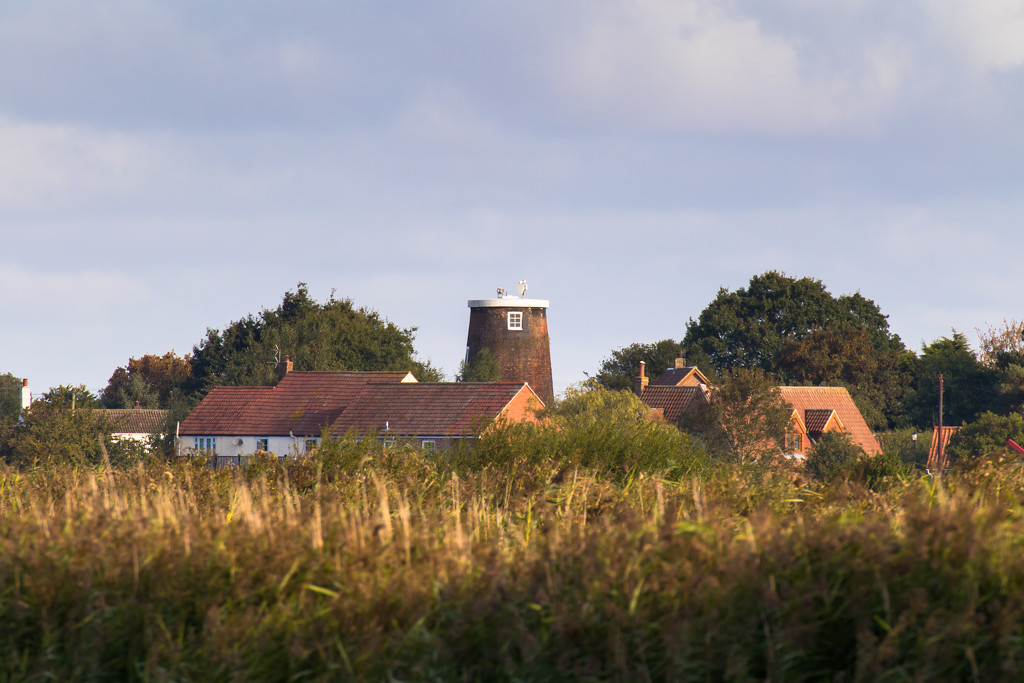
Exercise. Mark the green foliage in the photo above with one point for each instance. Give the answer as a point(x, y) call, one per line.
point(796, 330)
point(986, 437)
point(334, 335)
point(901, 444)
point(61, 428)
point(608, 432)
point(1002, 350)
point(149, 381)
point(483, 368)
point(622, 368)
point(970, 388)
point(10, 396)
point(885, 471)
point(745, 419)
point(833, 455)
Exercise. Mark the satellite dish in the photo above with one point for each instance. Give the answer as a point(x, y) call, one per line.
point(522, 288)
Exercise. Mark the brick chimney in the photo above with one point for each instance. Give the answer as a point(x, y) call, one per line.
point(680, 362)
point(284, 367)
point(641, 381)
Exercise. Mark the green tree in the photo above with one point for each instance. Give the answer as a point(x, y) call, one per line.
point(10, 396)
point(985, 437)
point(621, 369)
point(970, 388)
point(61, 427)
point(833, 455)
point(745, 419)
point(614, 431)
point(1002, 350)
point(483, 368)
point(148, 381)
point(796, 330)
point(334, 335)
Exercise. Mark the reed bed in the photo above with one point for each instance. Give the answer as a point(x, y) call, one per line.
point(402, 567)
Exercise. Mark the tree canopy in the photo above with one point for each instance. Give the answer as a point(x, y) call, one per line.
point(483, 368)
point(621, 369)
point(970, 388)
point(10, 396)
point(796, 330)
point(332, 336)
point(745, 419)
point(148, 381)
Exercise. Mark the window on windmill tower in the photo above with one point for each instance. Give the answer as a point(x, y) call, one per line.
point(515, 320)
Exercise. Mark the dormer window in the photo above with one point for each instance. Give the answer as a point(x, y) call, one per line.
point(515, 320)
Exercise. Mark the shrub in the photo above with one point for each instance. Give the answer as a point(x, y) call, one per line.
point(985, 437)
point(833, 455)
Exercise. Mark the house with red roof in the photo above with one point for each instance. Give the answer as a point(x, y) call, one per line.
point(142, 425)
point(938, 457)
point(815, 410)
point(290, 417)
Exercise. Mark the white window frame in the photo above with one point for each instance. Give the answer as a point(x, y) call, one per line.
point(206, 443)
point(794, 442)
point(311, 444)
point(262, 444)
point(389, 443)
point(428, 445)
point(515, 320)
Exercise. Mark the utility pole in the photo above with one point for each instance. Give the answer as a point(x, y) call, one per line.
point(942, 439)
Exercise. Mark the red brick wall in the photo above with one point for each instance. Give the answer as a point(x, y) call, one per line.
point(523, 355)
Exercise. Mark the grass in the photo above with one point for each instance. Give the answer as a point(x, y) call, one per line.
point(372, 565)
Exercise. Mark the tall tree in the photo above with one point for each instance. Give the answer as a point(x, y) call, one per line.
point(483, 368)
point(796, 330)
point(10, 396)
point(1002, 350)
point(745, 419)
point(334, 335)
point(621, 369)
point(970, 388)
point(60, 428)
point(148, 381)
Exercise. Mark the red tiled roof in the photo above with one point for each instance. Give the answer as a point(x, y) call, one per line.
point(673, 376)
point(806, 399)
point(429, 409)
point(136, 420)
point(302, 403)
point(816, 418)
point(934, 462)
point(672, 400)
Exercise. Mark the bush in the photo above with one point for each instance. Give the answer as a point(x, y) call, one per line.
point(985, 437)
point(833, 455)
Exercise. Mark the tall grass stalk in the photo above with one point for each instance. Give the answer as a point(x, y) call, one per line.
point(403, 566)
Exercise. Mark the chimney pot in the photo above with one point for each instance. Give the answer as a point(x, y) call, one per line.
point(285, 366)
point(641, 381)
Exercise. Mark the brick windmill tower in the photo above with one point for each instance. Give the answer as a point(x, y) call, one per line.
point(515, 331)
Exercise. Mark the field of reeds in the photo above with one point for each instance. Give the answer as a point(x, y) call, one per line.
point(368, 564)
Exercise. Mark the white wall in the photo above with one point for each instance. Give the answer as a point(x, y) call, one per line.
point(229, 445)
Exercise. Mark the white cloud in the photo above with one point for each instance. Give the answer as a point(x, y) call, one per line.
point(990, 32)
point(697, 64)
point(46, 166)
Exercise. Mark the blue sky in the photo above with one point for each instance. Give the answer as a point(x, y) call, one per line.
point(168, 167)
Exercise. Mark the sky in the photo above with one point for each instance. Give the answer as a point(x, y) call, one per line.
point(168, 167)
